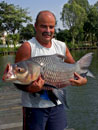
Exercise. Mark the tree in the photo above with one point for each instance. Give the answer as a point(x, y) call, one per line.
point(27, 32)
point(96, 5)
point(12, 17)
point(83, 3)
point(73, 16)
point(12, 39)
point(91, 25)
point(96, 27)
point(63, 35)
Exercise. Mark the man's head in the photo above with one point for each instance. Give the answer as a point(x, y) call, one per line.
point(45, 26)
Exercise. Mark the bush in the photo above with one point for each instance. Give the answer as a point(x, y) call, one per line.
point(71, 46)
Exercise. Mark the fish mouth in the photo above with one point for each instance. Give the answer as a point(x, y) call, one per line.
point(8, 73)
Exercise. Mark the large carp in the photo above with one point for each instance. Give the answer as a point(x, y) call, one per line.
point(52, 68)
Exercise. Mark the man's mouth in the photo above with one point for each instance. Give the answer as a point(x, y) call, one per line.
point(46, 34)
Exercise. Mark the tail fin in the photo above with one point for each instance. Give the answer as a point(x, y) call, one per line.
point(90, 74)
point(85, 62)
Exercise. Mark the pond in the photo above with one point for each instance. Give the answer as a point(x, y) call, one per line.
point(83, 101)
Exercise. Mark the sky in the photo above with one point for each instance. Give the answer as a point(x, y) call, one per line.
point(34, 6)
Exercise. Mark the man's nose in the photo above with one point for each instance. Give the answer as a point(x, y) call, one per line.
point(48, 29)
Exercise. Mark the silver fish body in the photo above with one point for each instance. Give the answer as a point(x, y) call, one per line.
point(58, 73)
point(55, 71)
point(52, 68)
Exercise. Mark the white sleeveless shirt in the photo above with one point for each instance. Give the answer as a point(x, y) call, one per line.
point(34, 100)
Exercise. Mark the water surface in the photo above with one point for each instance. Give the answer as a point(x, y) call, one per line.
point(83, 101)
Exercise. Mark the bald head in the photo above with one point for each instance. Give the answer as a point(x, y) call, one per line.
point(43, 14)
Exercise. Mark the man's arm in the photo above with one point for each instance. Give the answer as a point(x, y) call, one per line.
point(69, 58)
point(24, 53)
point(80, 80)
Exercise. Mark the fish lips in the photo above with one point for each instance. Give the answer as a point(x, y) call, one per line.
point(8, 73)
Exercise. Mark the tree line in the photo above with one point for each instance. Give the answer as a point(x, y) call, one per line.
point(79, 19)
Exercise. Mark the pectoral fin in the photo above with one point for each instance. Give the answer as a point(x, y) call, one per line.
point(61, 95)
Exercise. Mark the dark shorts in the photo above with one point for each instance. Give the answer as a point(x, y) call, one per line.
point(53, 118)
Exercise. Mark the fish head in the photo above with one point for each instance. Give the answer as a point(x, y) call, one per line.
point(9, 73)
point(22, 72)
point(13, 72)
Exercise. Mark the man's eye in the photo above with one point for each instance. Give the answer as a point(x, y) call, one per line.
point(43, 26)
point(51, 27)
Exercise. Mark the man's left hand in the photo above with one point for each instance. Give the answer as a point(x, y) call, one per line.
point(79, 81)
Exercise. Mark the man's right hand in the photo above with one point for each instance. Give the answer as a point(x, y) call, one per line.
point(36, 86)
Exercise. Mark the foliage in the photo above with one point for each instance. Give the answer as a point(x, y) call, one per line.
point(0, 41)
point(27, 32)
point(83, 3)
point(12, 39)
point(91, 25)
point(73, 15)
point(64, 35)
point(81, 19)
point(12, 17)
point(8, 49)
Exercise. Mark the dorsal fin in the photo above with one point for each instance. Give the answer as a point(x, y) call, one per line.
point(61, 57)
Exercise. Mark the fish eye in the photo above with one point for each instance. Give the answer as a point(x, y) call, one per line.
point(20, 70)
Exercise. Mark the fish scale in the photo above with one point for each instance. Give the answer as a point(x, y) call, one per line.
point(55, 71)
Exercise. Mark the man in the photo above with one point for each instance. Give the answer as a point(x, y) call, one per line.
point(39, 110)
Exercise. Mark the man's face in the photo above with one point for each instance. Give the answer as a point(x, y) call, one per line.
point(45, 28)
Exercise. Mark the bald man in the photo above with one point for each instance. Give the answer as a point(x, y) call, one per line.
point(42, 110)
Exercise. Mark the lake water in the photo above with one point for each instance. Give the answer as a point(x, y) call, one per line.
point(83, 101)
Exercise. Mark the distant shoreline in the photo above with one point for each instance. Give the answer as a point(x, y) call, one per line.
point(8, 53)
point(81, 48)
